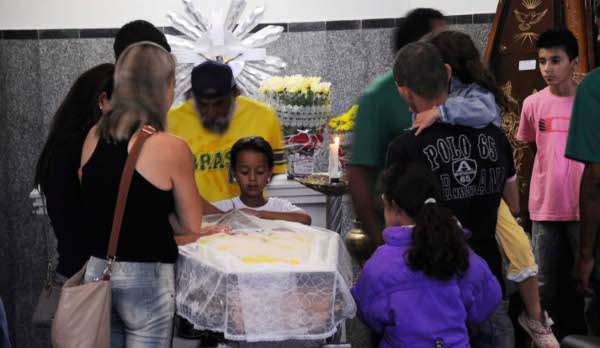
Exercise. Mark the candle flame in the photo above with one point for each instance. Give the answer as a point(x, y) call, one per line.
point(337, 140)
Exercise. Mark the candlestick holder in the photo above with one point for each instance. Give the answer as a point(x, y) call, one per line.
point(334, 191)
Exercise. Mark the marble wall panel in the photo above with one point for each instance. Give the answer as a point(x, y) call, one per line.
point(304, 52)
point(377, 45)
point(24, 134)
point(61, 62)
point(478, 32)
point(346, 67)
point(6, 253)
point(96, 51)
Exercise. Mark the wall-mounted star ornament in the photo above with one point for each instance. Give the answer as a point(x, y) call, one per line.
point(225, 36)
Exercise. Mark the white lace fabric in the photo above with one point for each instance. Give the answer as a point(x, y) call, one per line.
point(295, 287)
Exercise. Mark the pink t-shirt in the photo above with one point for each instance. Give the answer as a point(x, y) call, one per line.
point(554, 191)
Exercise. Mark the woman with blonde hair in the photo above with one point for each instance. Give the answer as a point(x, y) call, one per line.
point(142, 280)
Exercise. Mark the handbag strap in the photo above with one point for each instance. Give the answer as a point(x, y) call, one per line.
point(132, 158)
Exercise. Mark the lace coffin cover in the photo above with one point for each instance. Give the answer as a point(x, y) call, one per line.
point(270, 281)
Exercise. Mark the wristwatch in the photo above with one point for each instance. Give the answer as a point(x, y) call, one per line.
point(518, 218)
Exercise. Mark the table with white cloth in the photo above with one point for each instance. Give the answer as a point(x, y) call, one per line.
point(268, 281)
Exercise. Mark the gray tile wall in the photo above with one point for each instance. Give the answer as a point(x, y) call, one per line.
point(36, 74)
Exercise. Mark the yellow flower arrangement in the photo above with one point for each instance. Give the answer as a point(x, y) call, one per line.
point(297, 90)
point(344, 122)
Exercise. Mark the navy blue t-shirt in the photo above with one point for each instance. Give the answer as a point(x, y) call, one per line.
point(472, 166)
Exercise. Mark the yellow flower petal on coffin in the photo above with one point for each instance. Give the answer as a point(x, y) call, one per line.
point(266, 259)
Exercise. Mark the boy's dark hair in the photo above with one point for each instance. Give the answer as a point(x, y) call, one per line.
point(138, 31)
point(559, 38)
point(439, 247)
point(256, 144)
point(414, 26)
point(459, 51)
point(419, 66)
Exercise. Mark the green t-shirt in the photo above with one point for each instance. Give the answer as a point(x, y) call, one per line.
point(583, 143)
point(382, 116)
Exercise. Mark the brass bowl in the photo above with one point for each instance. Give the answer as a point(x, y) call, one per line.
point(320, 183)
point(358, 244)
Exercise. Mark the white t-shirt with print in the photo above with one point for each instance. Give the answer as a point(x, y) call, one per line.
point(274, 204)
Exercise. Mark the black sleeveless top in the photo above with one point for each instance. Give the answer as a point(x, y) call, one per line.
point(146, 235)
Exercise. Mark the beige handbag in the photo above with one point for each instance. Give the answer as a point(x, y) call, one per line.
point(48, 299)
point(82, 318)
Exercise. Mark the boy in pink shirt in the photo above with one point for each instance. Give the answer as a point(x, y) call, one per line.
point(555, 181)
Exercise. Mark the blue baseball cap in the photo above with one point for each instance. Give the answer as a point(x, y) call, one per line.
point(212, 79)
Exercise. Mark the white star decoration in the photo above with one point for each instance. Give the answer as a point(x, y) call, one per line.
point(223, 36)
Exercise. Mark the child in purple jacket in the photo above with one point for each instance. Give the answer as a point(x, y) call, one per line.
point(424, 287)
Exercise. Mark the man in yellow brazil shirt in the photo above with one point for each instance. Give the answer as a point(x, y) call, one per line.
point(213, 119)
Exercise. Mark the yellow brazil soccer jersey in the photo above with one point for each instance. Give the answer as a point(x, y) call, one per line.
point(212, 151)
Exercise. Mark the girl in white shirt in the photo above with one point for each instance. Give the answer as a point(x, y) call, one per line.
point(252, 167)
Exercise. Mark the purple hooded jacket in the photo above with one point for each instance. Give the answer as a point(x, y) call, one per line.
point(412, 310)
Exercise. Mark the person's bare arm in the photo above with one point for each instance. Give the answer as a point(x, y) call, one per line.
point(188, 203)
point(298, 216)
point(359, 177)
point(511, 195)
point(589, 201)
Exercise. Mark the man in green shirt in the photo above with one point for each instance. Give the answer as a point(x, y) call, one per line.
point(583, 145)
point(382, 116)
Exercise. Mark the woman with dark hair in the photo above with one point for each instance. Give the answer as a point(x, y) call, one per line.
point(56, 171)
point(424, 287)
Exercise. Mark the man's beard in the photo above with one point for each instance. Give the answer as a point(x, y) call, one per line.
point(221, 124)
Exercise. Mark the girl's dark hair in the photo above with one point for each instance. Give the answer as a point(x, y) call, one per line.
point(256, 144)
point(439, 247)
point(459, 51)
point(75, 116)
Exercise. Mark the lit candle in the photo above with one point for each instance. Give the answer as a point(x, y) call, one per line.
point(334, 160)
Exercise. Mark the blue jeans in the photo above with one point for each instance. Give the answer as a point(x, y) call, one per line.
point(143, 302)
point(496, 332)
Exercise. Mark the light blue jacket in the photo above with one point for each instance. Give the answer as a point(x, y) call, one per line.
point(470, 106)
